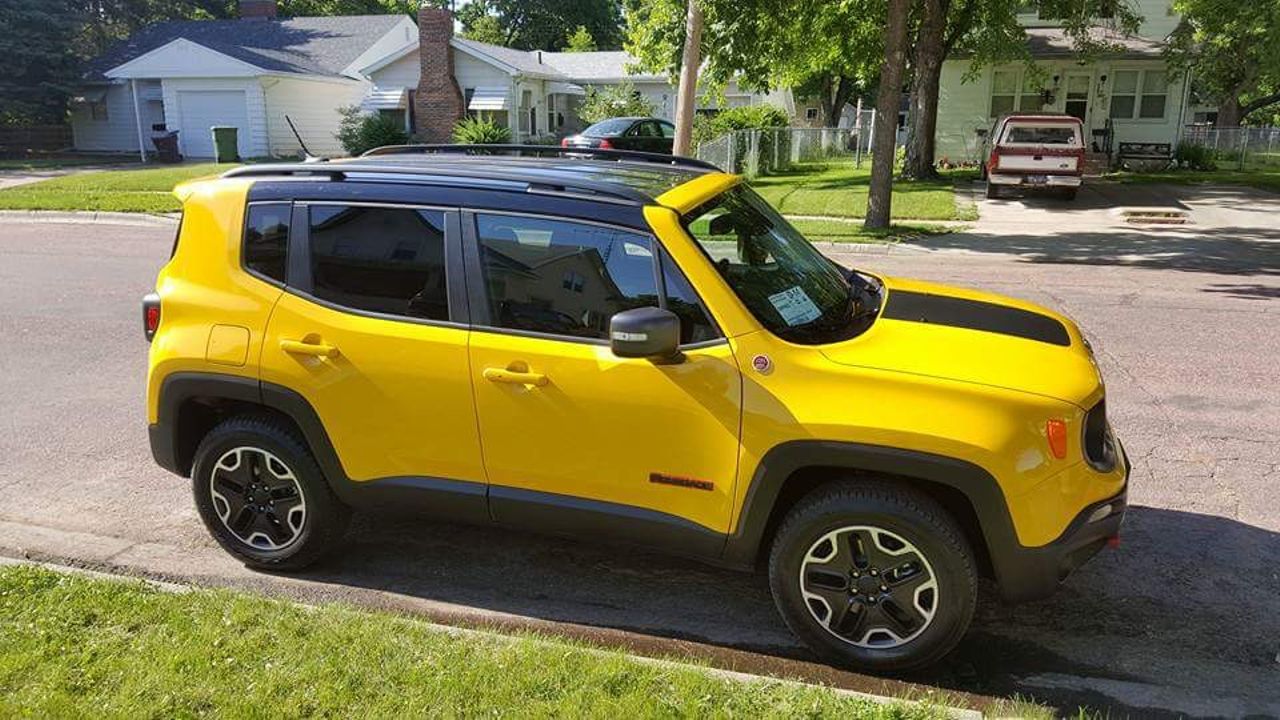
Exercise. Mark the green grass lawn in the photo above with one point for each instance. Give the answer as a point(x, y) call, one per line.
point(1263, 179)
point(71, 646)
point(839, 189)
point(146, 190)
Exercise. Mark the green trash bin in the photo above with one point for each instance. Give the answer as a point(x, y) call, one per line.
point(224, 144)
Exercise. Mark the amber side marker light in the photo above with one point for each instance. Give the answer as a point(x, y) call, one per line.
point(1056, 431)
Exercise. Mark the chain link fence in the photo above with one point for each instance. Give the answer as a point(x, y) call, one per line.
point(767, 152)
point(1236, 148)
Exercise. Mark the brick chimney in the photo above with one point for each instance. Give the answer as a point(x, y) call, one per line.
point(257, 9)
point(438, 103)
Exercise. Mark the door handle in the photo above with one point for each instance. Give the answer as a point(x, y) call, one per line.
point(314, 349)
point(513, 377)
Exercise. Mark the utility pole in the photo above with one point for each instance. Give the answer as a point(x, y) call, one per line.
point(687, 96)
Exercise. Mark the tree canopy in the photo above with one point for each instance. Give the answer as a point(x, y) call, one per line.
point(40, 71)
point(1231, 49)
point(580, 40)
point(541, 24)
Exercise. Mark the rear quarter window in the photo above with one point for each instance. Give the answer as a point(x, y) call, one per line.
point(266, 239)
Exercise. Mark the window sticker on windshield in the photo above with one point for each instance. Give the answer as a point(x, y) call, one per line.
point(795, 307)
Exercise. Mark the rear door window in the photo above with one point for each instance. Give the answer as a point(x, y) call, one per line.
point(383, 260)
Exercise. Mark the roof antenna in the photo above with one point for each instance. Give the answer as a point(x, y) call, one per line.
point(307, 156)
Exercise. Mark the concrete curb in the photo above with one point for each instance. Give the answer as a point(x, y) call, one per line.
point(731, 675)
point(83, 217)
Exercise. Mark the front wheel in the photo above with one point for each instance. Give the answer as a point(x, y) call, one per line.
point(873, 576)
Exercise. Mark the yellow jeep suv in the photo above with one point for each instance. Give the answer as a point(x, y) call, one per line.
point(626, 347)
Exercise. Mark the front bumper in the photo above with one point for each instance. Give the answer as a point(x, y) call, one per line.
point(1031, 573)
point(1022, 179)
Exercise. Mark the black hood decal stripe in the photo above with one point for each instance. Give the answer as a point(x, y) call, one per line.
point(974, 315)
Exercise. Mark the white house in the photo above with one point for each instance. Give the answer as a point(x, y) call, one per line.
point(254, 71)
point(248, 73)
point(1127, 95)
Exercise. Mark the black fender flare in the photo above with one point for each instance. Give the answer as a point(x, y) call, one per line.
point(462, 500)
point(745, 544)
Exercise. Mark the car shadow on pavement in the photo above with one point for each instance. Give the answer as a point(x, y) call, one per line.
point(1226, 250)
point(1132, 600)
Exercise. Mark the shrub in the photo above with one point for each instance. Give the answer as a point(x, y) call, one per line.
point(478, 131)
point(750, 117)
point(360, 132)
point(621, 100)
point(1194, 157)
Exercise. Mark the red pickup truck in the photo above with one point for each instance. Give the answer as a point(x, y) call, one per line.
point(1035, 151)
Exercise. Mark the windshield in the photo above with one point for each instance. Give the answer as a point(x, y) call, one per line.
point(783, 280)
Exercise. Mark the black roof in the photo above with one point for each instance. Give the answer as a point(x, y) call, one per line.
point(306, 45)
point(633, 178)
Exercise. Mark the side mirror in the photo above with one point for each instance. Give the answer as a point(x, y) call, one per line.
point(649, 332)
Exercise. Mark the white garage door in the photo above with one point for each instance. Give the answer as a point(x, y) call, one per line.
point(202, 110)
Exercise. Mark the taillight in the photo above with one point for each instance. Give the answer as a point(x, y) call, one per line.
point(993, 162)
point(564, 142)
point(605, 145)
point(1056, 431)
point(150, 315)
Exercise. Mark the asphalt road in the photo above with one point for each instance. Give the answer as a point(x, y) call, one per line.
point(1183, 617)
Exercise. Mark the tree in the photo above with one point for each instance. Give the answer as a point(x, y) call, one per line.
point(880, 191)
point(1231, 50)
point(826, 48)
point(988, 32)
point(40, 72)
point(620, 100)
point(544, 24)
point(687, 93)
point(580, 40)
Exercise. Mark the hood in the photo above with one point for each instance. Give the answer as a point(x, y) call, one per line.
point(969, 336)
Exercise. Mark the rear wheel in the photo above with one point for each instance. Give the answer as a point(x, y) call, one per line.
point(1068, 193)
point(873, 576)
point(263, 497)
point(993, 190)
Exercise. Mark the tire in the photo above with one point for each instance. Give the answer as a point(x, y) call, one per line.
point(909, 529)
point(1068, 193)
point(289, 513)
point(993, 191)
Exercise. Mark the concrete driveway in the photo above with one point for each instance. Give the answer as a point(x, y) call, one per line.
point(1184, 617)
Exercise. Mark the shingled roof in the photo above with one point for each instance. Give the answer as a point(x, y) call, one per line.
point(305, 45)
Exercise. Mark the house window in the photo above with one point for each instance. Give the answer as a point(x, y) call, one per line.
point(811, 114)
point(1004, 92)
point(395, 115)
point(1029, 98)
point(1140, 93)
point(98, 111)
point(1155, 94)
point(466, 102)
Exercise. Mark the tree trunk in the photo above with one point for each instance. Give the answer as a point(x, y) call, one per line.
point(687, 95)
point(833, 105)
point(879, 197)
point(922, 121)
point(1229, 112)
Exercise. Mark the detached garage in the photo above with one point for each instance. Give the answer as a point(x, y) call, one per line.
point(191, 76)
